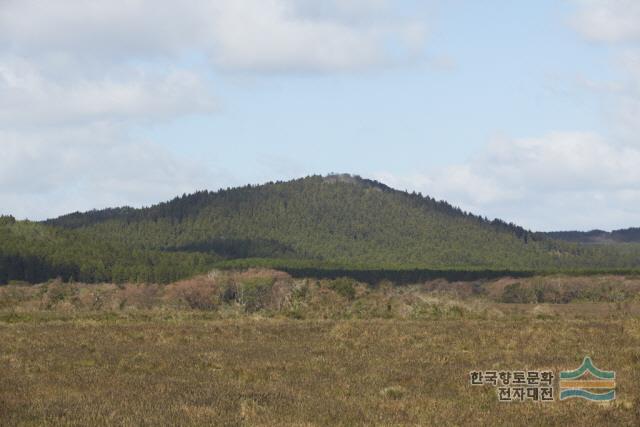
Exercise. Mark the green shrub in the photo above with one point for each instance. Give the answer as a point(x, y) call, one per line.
point(344, 286)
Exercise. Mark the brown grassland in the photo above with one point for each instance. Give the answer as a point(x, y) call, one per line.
point(260, 348)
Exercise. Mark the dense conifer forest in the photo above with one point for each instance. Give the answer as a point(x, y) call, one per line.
point(338, 222)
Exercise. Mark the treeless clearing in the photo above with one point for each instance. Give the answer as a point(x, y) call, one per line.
point(265, 371)
point(385, 355)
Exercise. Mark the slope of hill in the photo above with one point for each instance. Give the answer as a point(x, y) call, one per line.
point(339, 218)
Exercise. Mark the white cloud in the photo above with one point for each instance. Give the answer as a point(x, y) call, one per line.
point(269, 37)
point(616, 24)
point(248, 35)
point(287, 35)
point(76, 76)
point(30, 97)
point(561, 180)
point(608, 20)
point(109, 29)
point(81, 62)
point(51, 173)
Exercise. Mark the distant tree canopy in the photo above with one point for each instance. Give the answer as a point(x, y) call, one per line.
point(629, 235)
point(336, 219)
point(35, 253)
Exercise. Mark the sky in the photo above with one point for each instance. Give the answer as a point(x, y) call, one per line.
point(525, 111)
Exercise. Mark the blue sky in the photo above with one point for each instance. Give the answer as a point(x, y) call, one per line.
point(519, 110)
point(508, 70)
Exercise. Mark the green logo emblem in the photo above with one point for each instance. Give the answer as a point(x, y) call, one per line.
point(588, 382)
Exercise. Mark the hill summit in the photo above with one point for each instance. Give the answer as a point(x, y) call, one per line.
point(339, 217)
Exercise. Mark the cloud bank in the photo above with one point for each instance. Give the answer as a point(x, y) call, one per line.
point(608, 21)
point(77, 77)
point(562, 179)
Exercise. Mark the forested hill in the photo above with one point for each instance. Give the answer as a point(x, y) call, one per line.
point(628, 235)
point(336, 218)
point(339, 218)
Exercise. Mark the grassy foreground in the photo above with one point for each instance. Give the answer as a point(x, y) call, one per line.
point(269, 372)
point(226, 366)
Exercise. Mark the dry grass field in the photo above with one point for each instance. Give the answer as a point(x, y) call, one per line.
point(324, 356)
